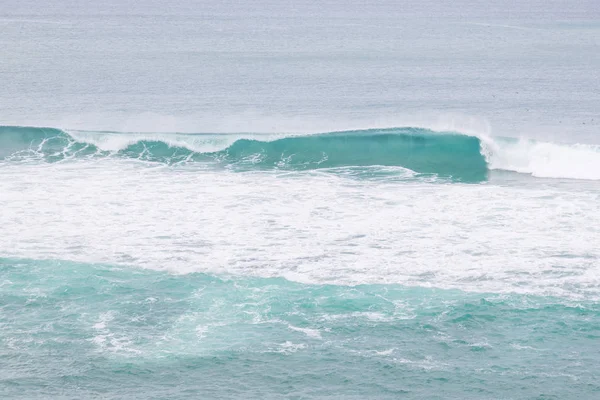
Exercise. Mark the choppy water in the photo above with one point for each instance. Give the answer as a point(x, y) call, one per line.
point(96, 330)
point(307, 200)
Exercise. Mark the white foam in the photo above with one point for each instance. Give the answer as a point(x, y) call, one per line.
point(521, 347)
point(103, 319)
point(109, 141)
point(385, 352)
point(312, 228)
point(538, 158)
point(201, 134)
point(542, 159)
point(289, 347)
point(107, 341)
point(428, 363)
point(312, 333)
point(114, 344)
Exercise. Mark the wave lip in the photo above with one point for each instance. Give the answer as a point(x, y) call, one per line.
point(418, 151)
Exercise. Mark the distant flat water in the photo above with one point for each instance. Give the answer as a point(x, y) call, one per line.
point(299, 200)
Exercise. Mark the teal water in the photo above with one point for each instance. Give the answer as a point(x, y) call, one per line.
point(383, 263)
point(444, 154)
point(72, 330)
point(299, 199)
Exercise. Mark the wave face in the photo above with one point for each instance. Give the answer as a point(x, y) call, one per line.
point(423, 151)
point(415, 151)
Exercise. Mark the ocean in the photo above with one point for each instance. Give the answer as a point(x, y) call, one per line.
point(299, 199)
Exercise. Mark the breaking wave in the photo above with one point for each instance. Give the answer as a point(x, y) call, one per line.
point(445, 154)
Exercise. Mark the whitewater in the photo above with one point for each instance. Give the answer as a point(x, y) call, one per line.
point(204, 193)
point(455, 155)
point(317, 200)
point(406, 251)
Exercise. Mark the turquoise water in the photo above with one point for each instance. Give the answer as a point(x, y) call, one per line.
point(423, 151)
point(299, 199)
point(88, 330)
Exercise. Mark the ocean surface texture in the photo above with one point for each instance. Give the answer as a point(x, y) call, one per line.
point(300, 199)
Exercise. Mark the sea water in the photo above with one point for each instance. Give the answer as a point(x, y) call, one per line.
point(299, 200)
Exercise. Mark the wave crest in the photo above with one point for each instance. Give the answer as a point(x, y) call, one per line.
point(444, 154)
point(451, 155)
